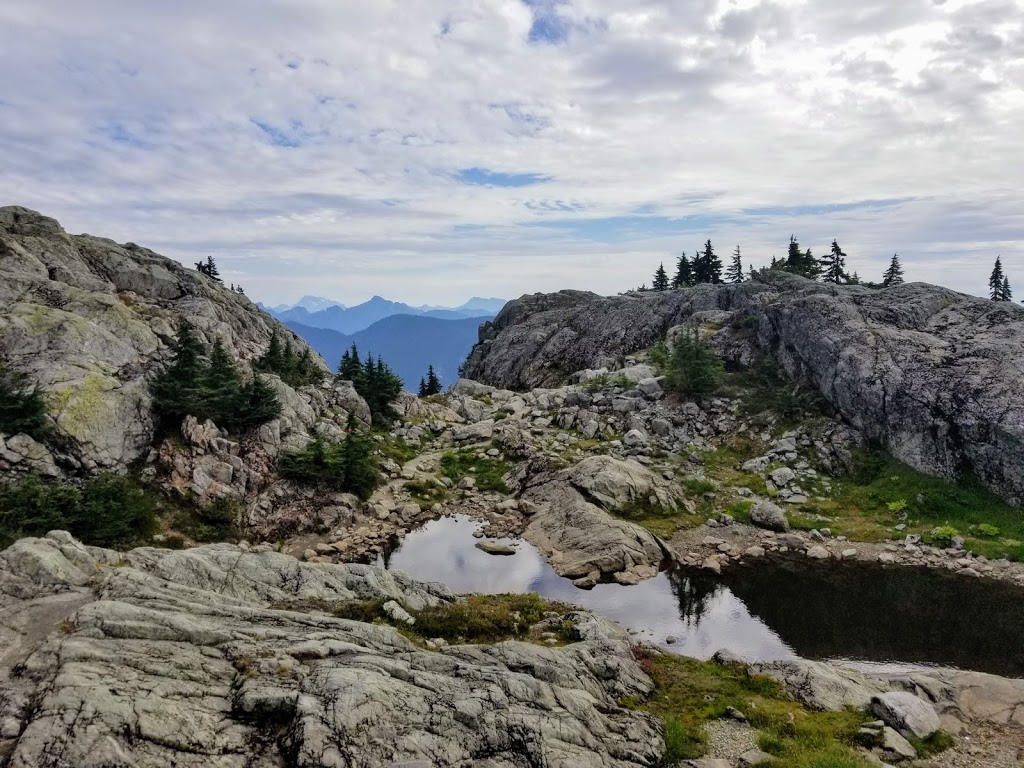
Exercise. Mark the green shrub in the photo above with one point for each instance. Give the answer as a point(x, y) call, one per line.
point(210, 389)
point(986, 530)
point(483, 618)
point(425, 492)
point(106, 511)
point(216, 521)
point(22, 405)
point(693, 367)
point(943, 535)
point(487, 472)
point(349, 466)
point(295, 370)
point(375, 382)
point(897, 506)
point(697, 486)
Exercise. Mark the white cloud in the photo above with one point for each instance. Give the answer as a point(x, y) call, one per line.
point(142, 121)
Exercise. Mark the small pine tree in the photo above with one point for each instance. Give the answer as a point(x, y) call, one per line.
point(1005, 294)
point(433, 382)
point(660, 278)
point(854, 279)
point(707, 267)
point(734, 274)
point(894, 274)
point(257, 404)
point(177, 392)
point(221, 385)
point(239, 289)
point(693, 367)
point(684, 272)
point(358, 463)
point(995, 281)
point(201, 267)
point(211, 269)
point(422, 392)
point(22, 405)
point(835, 266)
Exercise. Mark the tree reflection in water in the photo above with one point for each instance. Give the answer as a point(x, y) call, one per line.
point(694, 591)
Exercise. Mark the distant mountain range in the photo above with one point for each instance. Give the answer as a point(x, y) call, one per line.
point(408, 343)
point(318, 312)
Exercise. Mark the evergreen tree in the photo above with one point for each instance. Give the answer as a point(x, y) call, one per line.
point(177, 392)
point(894, 274)
point(660, 278)
point(211, 269)
point(22, 405)
point(707, 267)
point(257, 404)
point(423, 388)
point(995, 281)
point(1005, 294)
point(734, 274)
point(351, 368)
point(221, 384)
point(433, 382)
point(273, 359)
point(800, 262)
point(239, 289)
point(835, 266)
point(360, 468)
point(854, 279)
point(684, 272)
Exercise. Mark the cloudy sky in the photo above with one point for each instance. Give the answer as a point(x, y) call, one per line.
point(430, 150)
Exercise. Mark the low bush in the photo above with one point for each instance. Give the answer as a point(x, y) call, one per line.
point(349, 466)
point(106, 511)
point(22, 405)
point(487, 472)
point(943, 535)
point(693, 368)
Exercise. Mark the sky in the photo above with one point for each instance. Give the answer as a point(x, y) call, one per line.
point(433, 150)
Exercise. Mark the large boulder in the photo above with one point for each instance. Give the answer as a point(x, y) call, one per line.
point(91, 321)
point(617, 483)
point(767, 515)
point(935, 375)
point(904, 712)
point(210, 657)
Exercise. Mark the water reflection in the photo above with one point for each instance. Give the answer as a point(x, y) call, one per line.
point(771, 610)
point(699, 613)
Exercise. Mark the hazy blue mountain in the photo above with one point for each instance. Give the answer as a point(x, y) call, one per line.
point(408, 343)
point(481, 306)
point(350, 320)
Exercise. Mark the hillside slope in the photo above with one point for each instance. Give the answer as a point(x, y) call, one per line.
point(935, 375)
point(91, 321)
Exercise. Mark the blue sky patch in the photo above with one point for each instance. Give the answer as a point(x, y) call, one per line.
point(822, 210)
point(619, 228)
point(277, 137)
point(489, 178)
point(548, 26)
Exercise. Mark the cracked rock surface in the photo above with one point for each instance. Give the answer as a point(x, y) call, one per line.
point(191, 658)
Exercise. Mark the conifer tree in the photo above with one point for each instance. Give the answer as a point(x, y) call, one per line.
point(221, 382)
point(854, 279)
point(835, 266)
point(433, 383)
point(22, 405)
point(423, 388)
point(211, 269)
point(995, 281)
point(894, 274)
point(660, 278)
point(1005, 294)
point(358, 464)
point(684, 272)
point(351, 368)
point(176, 392)
point(734, 274)
point(707, 267)
point(257, 404)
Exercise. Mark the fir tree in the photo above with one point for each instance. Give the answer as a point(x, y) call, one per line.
point(854, 279)
point(995, 281)
point(660, 278)
point(351, 368)
point(256, 404)
point(22, 405)
point(211, 269)
point(835, 266)
point(433, 383)
point(707, 267)
point(423, 388)
point(221, 383)
point(177, 391)
point(684, 272)
point(239, 289)
point(360, 468)
point(1005, 294)
point(734, 274)
point(894, 274)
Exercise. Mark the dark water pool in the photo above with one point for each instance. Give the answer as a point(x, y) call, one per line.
point(772, 610)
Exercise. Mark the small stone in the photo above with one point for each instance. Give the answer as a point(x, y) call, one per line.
point(754, 757)
point(849, 554)
point(887, 558)
point(754, 551)
point(770, 516)
point(670, 640)
point(396, 612)
point(712, 565)
point(818, 553)
point(495, 548)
